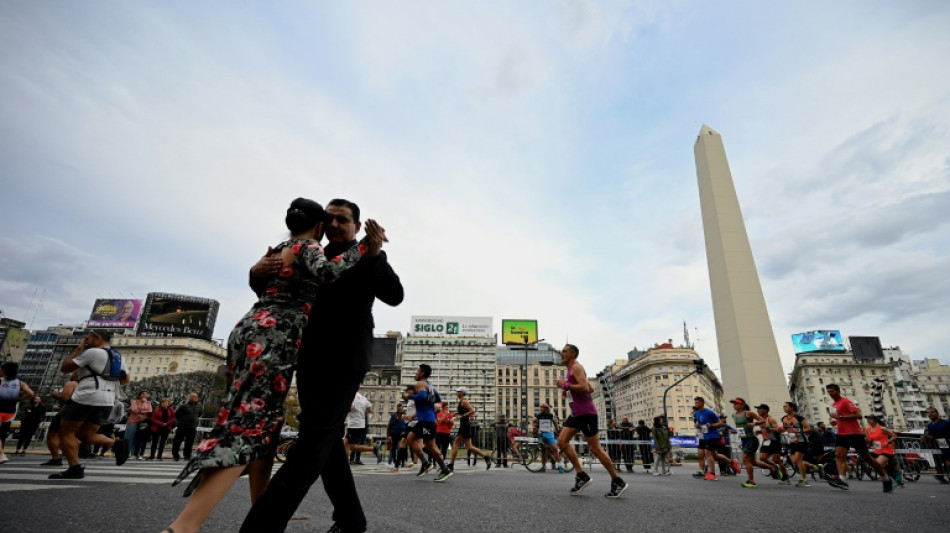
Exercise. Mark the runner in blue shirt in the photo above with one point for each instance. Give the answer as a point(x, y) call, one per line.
point(707, 424)
point(425, 397)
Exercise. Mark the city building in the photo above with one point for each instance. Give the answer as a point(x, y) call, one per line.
point(543, 371)
point(39, 352)
point(748, 355)
point(637, 387)
point(382, 384)
point(869, 383)
point(147, 357)
point(461, 352)
point(933, 378)
point(913, 402)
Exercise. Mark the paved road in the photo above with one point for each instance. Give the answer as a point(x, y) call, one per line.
point(137, 497)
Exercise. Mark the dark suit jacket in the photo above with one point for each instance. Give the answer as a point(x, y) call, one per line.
point(338, 338)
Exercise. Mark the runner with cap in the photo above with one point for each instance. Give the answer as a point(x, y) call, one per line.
point(545, 424)
point(771, 450)
point(466, 433)
point(746, 421)
point(850, 435)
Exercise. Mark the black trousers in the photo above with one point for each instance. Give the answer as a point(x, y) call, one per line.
point(186, 436)
point(442, 441)
point(326, 394)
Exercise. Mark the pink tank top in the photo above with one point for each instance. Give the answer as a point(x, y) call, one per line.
point(581, 402)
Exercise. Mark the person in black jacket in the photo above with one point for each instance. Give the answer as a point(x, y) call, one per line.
point(186, 418)
point(333, 358)
point(31, 416)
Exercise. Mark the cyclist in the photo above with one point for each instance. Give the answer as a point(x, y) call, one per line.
point(545, 424)
point(746, 421)
point(881, 440)
point(796, 430)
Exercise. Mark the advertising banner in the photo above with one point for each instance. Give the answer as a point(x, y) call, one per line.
point(111, 313)
point(451, 326)
point(818, 341)
point(178, 315)
point(518, 331)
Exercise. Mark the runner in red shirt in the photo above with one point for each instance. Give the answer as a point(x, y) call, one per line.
point(851, 435)
point(444, 421)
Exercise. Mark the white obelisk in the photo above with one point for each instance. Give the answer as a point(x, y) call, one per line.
point(748, 356)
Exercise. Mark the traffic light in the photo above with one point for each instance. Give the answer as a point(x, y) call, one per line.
point(700, 364)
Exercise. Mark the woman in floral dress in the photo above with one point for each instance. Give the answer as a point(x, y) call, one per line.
point(262, 352)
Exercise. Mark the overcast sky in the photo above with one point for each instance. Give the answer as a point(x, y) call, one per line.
point(528, 159)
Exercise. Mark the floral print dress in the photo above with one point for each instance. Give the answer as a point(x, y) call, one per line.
point(262, 353)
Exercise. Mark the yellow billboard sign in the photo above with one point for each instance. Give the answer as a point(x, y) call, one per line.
point(519, 331)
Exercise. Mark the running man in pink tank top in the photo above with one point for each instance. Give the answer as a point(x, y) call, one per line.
point(584, 419)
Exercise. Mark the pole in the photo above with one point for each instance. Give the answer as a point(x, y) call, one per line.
point(700, 366)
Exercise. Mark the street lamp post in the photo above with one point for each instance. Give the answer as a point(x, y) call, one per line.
point(700, 366)
point(524, 386)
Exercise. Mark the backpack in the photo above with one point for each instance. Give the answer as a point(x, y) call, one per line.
point(113, 369)
point(10, 390)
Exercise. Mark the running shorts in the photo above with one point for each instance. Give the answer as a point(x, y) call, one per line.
point(798, 447)
point(709, 444)
point(750, 445)
point(424, 430)
point(356, 435)
point(774, 446)
point(54, 424)
point(587, 424)
point(465, 431)
point(855, 441)
point(88, 414)
point(547, 438)
point(891, 462)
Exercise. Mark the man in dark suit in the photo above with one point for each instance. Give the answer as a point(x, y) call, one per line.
point(332, 361)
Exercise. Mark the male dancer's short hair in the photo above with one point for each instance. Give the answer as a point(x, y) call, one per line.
point(573, 349)
point(426, 369)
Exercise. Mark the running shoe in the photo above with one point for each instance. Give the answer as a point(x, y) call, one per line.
point(775, 473)
point(443, 475)
point(699, 474)
point(656, 472)
point(735, 466)
point(426, 466)
point(802, 483)
point(121, 451)
point(560, 469)
point(899, 478)
point(73, 472)
point(487, 462)
point(888, 484)
point(710, 477)
point(3, 457)
point(749, 484)
point(581, 482)
point(838, 484)
point(617, 486)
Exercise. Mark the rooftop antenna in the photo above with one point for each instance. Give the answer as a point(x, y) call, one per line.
point(39, 306)
point(686, 336)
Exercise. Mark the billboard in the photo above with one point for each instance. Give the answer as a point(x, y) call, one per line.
point(818, 341)
point(519, 331)
point(177, 315)
point(451, 326)
point(866, 347)
point(112, 313)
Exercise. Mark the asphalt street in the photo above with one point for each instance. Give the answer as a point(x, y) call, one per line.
point(138, 497)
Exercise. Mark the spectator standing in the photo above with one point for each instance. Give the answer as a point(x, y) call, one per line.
point(162, 422)
point(661, 446)
point(186, 420)
point(394, 433)
point(444, 421)
point(136, 427)
point(501, 441)
point(827, 435)
point(31, 416)
point(643, 434)
point(613, 441)
point(628, 451)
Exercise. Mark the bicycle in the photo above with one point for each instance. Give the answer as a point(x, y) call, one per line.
point(531, 452)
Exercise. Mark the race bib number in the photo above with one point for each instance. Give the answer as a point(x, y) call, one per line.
point(792, 437)
point(942, 443)
point(877, 445)
point(766, 442)
point(546, 425)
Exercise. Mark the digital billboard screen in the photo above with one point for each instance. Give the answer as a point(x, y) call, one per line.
point(112, 313)
point(866, 347)
point(818, 341)
point(178, 315)
point(519, 331)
